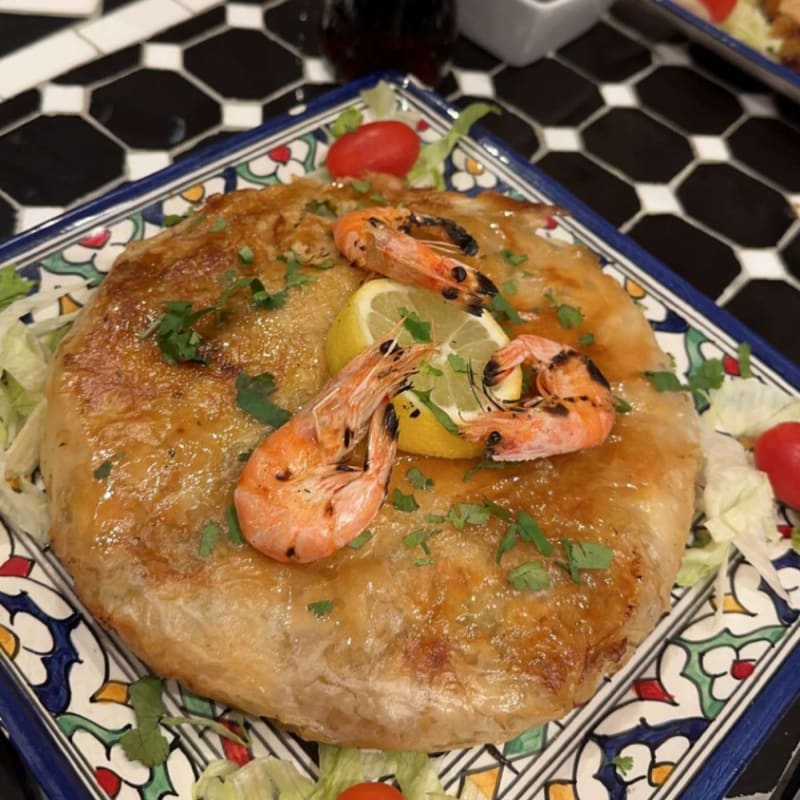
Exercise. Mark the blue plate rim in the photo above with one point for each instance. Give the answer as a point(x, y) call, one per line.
point(41, 751)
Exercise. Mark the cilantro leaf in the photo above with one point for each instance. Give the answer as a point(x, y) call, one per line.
point(529, 575)
point(321, 608)
point(218, 225)
point(442, 417)
point(104, 470)
point(709, 374)
point(13, 285)
point(428, 561)
point(419, 538)
point(175, 336)
point(585, 555)
point(322, 208)
point(404, 502)
point(234, 528)
point(251, 396)
point(484, 463)
point(145, 742)
point(417, 327)
point(467, 514)
point(496, 510)
point(418, 480)
point(360, 540)
point(530, 531)
point(346, 122)
point(508, 542)
point(743, 353)
point(435, 519)
point(362, 187)
point(428, 369)
point(502, 310)
point(621, 405)
point(586, 339)
point(149, 747)
point(209, 536)
point(512, 258)
point(261, 298)
point(664, 381)
point(568, 316)
point(246, 255)
point(509, 287)
point(457, 363)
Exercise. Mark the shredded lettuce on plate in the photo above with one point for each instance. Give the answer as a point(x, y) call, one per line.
point(737, 499)
point(748, 23)
point(340, 767)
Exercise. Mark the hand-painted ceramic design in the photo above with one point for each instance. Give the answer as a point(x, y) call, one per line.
point(650, 732)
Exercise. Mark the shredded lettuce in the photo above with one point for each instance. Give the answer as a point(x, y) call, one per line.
point(748, 23)
point(381, 100)
point(747, 408)
point(340, 767)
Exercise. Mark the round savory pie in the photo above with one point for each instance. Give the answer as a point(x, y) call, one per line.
point(390, 645)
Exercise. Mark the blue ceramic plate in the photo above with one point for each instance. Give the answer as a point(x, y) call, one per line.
point(775, 75)
point(683, 715)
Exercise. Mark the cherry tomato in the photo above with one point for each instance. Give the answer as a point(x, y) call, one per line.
point(388, 146)
point(371, 791)
point(777, 453)
point(719, 9)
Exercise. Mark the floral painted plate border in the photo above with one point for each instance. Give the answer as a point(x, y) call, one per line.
point(686, 713)
point(775, 75)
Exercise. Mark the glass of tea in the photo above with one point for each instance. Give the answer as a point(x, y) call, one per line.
point(363, 36)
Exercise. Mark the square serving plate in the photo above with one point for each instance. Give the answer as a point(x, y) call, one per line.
point(689, 709)
point(775, 75)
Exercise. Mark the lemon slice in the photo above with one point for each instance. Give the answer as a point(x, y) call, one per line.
point(376, 310)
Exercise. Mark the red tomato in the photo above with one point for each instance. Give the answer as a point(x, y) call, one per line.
point(777, 453)
point(388, 146)
point(371, 791)
point(719, 9)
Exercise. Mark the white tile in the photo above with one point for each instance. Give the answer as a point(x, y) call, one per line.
point(617, 95)
point(241, 116)
point(657, 198)
point(562, 139)
point(30, 216)
point(157, 55)
point(710, 148)
point(671, 54)
point(472, 82)
point(316, 70)
point(241, 15)
point(63, 99)
point(762, 264)
point(132, 23)
point(199, 5)
point(139, 163)
point(43, 60)
point(758, 105)
point(57, 8)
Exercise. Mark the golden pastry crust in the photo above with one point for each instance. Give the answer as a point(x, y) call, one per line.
point(410, 657)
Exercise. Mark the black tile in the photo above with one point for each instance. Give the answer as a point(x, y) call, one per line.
point(261, 66)
point(18, 107)
point(54, 160)
point(637, 16)
point(7, 217)
point(605, 193)
point(193, 27)
point(723, 69)
point(708, 264)
point(735, 205)
point(770, 309)
point(788, 109)
point(550, 92)
point(153, 108)
point(791, 256)
point(468, 55)
point(295, 97)
point(606, 54)
point(689, 100)
point(640, 146)
point(101, 69)
point(19, 30)
point(448, 85)
point(514, 131)
point(771, 148)
point(113, 5)
point(297, 23)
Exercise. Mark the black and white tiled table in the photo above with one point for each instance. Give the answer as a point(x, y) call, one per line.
point(695, 160)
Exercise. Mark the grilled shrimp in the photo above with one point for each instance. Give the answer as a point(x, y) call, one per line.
point(296, 499)
point(569, 408)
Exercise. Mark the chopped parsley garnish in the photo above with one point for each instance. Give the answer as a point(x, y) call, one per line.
point(427, 561)
point(508, 542)
point(104, 470)
point(530, 575)
point(743, 353)
point(709, 374)
point(514, 259)
point(624, 764)
point(568, 316)
point(496, 510)
point(322, 208)
point(458, 363)
point(417, 327)
point(346, 122)
point(379, 199)
point(484, 463)
point(175, 336)
point(467, 514)
point(621, 405)
point(209, 536)
point(418, 480)
point(664, 381)
point(218, 225)
point(404, 502)
point(321, 608)
point(170, 220)
point(245, 456)
point(362, 187)
point(502, 310)
point(429, 369)
point(435, 519)
point(246, 255)
point(293, 275)
point(419, 538)
point(13, 285)
point(235, 534)
point(529, 531)
point(328, 263)
point(585, 555)
point(442, 417)
point(360, 540)
point(509, 287)
point(586, 339)
point(251, 396)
